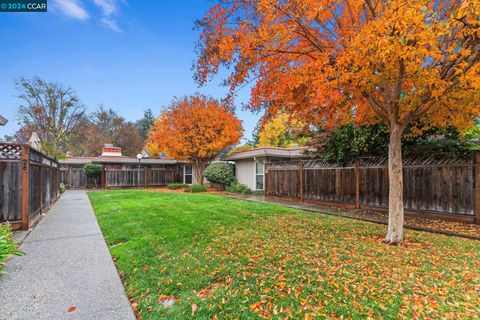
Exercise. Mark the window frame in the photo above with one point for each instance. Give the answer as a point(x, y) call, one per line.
point(256, 175)
point(185, 174)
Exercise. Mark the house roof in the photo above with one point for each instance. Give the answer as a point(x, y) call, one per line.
point(3, 121)
point(116, 160)
point(267, 152)
point(77, 160)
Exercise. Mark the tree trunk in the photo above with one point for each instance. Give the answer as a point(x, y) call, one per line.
point(395, 175)
point(199, 169)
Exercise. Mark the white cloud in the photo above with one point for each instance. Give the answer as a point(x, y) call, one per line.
point(75, 9)
point(71, 8)
point(109, 9)
point(110, 24)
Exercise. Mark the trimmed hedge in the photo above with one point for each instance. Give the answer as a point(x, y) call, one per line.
point(176, 186)
point(92, 169)
point(220, 173)
point(194, 188)
point(239, 188)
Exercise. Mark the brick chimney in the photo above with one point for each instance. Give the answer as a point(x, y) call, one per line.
point(109, 150)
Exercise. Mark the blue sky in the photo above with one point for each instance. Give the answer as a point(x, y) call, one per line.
point(127, 55)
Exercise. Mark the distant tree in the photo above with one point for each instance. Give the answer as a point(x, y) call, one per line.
point(241, 148)
point(195, 129)
point(255, 134)
point(436, 140)
point(87, 140)
point(8, 138)
point(128, 138)
point(473, 133)
point(51, 149)
point(50, 109)
point(350, 141)
point(144, 124)
point(22, 135)
point(104, 126)
point(280, 131)
point(107, 120)
point(224, 152)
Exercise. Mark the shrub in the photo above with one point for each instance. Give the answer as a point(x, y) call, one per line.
point(220, 173)
point(92, 170)
point(7, 245)
point(239, 188)
point(175, 186)
point(194, 188)
point(62, 187)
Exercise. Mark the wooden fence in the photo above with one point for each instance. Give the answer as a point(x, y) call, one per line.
point(74, 177)
point(436, 184)
point(29, 183)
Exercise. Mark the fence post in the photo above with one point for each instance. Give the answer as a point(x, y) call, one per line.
point(102, 178)
point(106, 178)
point(42, 169)
point(357, 183)
point(300, 168)
point(25, 179)
point(145, 176)
point(69, 177)
point(477, 187)
point(265, 165)
point(57, 187)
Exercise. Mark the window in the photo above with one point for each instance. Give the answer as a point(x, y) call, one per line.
point(259, 174)
point(188, 177)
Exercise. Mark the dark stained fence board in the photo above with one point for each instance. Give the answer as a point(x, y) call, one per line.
point(65, 177)
point(161, 176)
point(74, 177)
point(283, 179)
point(10, 191)
point(434, 183)
point(124, 178)
point(78, 179)
point(34, 195)
point(28, 183)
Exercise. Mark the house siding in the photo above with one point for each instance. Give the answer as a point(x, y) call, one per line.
point(245, 172)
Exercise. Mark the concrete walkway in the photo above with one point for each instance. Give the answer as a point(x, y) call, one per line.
point(67, 264)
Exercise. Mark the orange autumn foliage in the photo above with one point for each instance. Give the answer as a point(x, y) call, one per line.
point(330, 62)
point(195, 129)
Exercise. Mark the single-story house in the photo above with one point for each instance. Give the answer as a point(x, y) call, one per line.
point(124, 171)
point(250, 164)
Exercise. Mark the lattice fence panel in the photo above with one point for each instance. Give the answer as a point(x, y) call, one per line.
point(10, 151)
point(283, 165)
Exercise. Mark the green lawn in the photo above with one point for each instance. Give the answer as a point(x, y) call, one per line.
point(223, 258)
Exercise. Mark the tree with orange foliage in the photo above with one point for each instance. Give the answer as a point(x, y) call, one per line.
point(195, 129)
point(330, 62)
